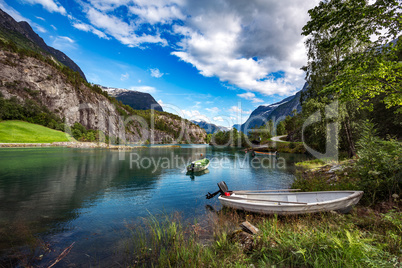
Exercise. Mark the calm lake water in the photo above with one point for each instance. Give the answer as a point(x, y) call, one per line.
point(88, 196)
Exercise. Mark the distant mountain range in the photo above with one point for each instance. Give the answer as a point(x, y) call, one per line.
point(209, 128)
point(18, 32)
point(137, 100)
point(276, 111)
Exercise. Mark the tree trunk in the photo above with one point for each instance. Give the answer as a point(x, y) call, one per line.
point(352, 149)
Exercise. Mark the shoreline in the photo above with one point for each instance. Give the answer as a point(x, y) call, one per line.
point(84, 145)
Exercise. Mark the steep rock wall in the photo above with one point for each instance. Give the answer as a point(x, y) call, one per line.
point(30, 78)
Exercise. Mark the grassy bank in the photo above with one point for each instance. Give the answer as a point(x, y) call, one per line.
point(364, 238)
point(24, 132)
point(370, 236)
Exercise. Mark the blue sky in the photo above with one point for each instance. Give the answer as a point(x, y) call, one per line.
point(215, 60)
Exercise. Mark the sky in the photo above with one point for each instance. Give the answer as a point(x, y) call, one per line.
point(211, 60)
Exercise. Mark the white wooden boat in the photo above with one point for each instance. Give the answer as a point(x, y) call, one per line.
point(287, 201)
point(291, 202)
point(199, 165)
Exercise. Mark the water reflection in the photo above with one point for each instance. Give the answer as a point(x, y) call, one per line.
point(88, 196)
point(197, 174)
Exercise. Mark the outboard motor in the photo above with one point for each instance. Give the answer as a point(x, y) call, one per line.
point(223, 189)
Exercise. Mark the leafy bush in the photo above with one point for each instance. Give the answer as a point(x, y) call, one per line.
point(379, 165)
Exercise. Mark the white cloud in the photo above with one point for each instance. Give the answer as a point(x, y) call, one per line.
point(197, 105)
point(156, 73)
point(245, 44)
point(124, 77)
point(242, 43)
point(89, 28)
point(145, 89)
point(237, 110)
point(68, 39)
point(54, 27)
point(160, 103)
point(219, 119)
point(40, 18)
point(192, 114)
point(121, 30)
point(161, 13)
point(49, 5)
point(250, 96)
point(63, 43)
point(39, 28)
point(12, 12)
point(213, 109)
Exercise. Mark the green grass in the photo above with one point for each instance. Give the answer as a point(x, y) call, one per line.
point(24, 132)
point(311, 164)
point(363, 238)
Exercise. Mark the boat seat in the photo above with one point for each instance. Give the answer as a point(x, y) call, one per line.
point(292, 198)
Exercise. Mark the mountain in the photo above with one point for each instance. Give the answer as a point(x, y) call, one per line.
point(209, 128)
point(22, 34)
point(135, 99)
point(34, 87)
point(276, 111)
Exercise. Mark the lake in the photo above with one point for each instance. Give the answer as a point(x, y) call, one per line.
point(88, 196)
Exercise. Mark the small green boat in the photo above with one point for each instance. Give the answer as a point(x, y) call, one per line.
point(198, 165)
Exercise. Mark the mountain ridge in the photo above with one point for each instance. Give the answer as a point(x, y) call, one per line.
point(135, 99)
point(209, 127)
point(276, 111)
point(23, 28)
point(34, 87)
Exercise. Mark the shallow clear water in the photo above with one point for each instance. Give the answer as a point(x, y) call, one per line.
point(88, 196)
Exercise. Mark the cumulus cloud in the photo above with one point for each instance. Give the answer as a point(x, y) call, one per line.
point(157, 11)
point(156, 73)
point(250, 96)
point(242, 43)
point(125, 32)
point(193, 114)
point(49, 5)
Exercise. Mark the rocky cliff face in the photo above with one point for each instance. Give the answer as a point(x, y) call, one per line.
point(9, 25)
point(135, 99)
point(28, 78)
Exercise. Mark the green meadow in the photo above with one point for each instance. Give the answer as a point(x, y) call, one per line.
point(24, 132)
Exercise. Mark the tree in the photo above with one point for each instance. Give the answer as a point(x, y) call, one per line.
point(280, 128)
point(358, 66)
point(345, 63)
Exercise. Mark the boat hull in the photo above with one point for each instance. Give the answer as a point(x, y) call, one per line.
point(197, 168)
point(293, 203)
